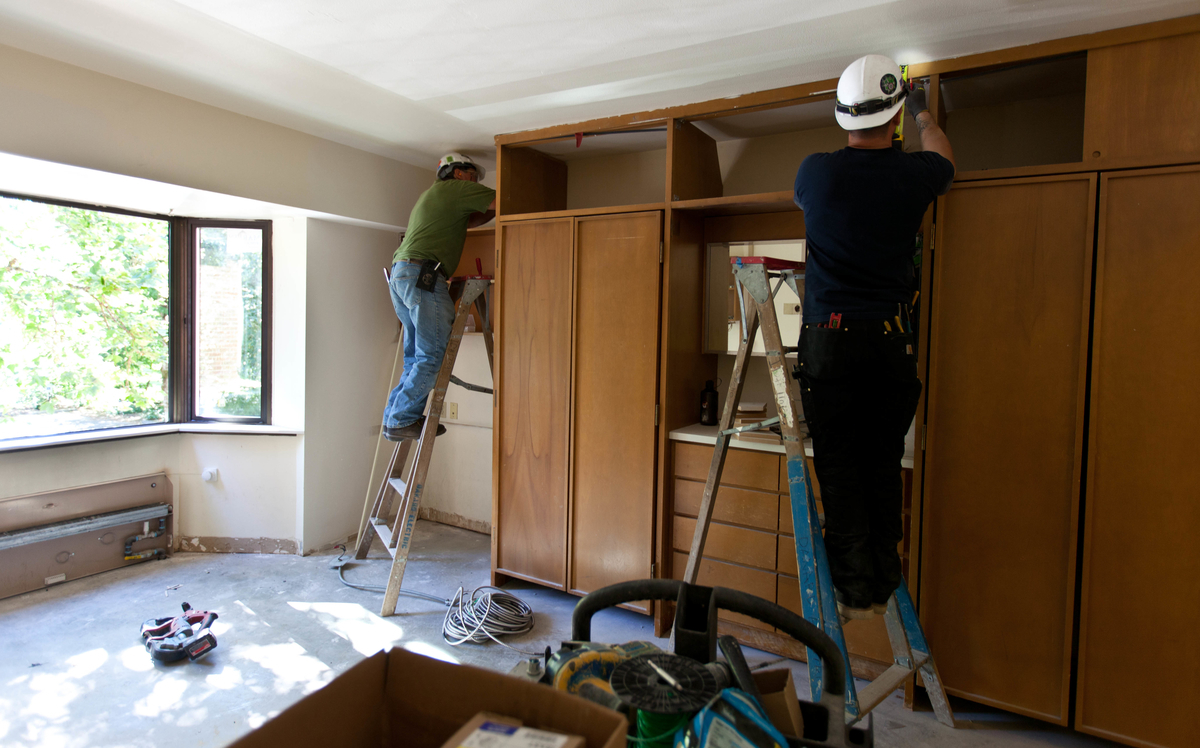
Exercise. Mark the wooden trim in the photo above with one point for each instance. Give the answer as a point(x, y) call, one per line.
point(819, 90)
point(644, 207)
point(1040, 170)
point(568, 492)
point(763, 202)
point(497, 367)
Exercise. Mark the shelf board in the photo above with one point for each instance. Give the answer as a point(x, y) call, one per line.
point(583, 212)
point(763, 202)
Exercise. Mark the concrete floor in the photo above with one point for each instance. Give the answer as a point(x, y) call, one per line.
point(74, 672)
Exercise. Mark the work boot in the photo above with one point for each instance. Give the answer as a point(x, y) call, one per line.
point(411, 431)
point(855, 614)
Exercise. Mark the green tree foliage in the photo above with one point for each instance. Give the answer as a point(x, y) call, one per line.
point(83, 310)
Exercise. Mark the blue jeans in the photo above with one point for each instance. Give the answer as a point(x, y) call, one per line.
point(427, 317)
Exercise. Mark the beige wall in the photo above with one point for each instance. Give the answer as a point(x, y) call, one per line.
point(350, 343)
point(58, 112)
point(624, 179)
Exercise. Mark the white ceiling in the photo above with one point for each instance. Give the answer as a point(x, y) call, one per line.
point(411, 80)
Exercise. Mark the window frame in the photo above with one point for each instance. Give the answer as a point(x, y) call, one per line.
point(182, 273)
point(186, 374)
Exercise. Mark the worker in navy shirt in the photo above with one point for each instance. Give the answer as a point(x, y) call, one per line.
point(863, 206)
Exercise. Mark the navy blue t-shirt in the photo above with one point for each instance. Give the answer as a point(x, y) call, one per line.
point(862, 210)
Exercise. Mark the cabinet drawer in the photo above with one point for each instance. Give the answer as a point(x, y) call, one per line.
point(785, 514)
point(786, 557)
point(716, 574)
point(734, 505)
point(758, 470)
point(863, 638)
point(728, 543)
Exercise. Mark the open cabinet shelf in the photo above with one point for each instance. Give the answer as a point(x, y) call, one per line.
point(766, 202)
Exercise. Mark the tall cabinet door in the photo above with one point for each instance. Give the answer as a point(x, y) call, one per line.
point(616, 381)
point(1010, 303)
point(1138, 651)
point(532, 439)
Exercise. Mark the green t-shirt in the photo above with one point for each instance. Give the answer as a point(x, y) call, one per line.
point(437, 227)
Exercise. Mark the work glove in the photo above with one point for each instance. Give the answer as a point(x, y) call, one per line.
point(918, 101)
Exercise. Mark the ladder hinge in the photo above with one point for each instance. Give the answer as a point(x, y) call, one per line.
point(656, 414)
point(924, 430)
point(660, 253)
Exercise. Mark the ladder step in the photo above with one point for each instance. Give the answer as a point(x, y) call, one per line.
point(398, 486)
point(877, 690)
point(384, 533)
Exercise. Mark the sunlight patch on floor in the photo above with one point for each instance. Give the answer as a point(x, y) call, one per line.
point(367, 632)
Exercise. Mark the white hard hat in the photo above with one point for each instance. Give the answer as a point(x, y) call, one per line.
point(456, 160)
point(869, 93)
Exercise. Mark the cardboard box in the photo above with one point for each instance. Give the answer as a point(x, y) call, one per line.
point(779, 699)
point(398, 698)
point(489, 730)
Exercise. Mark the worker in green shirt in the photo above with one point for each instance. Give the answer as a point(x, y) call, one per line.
point(429, 253)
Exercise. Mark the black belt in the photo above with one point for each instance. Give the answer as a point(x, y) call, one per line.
point(441, 270)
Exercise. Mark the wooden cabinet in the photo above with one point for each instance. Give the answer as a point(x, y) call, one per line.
point(615, 386)
point(750, 547)
point(1004, 442)
point(1143, 103)
point(577, 361)
point(531, 431)
point(1141, 560)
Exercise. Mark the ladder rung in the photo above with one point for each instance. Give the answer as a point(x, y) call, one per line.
point(397, 485)
point(877, 690)
point(760, 426)
point(385, 534)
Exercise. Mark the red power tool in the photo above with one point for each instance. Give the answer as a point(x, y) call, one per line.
point(172, 639)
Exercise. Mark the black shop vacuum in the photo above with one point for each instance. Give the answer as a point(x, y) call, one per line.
point(692, 698)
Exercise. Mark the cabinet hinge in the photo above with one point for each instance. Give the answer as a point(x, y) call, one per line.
point(654, 571)
point(924, 430)
point(660, 253)
point(656, 414)
point(932, 229)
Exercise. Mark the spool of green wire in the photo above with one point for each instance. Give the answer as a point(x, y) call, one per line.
point(658, 730)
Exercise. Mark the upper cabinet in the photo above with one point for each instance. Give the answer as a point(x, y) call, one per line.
point(1143, 103)
point(1026, 114)
point(585, 171)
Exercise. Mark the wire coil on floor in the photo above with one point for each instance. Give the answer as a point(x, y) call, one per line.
point(487, 613)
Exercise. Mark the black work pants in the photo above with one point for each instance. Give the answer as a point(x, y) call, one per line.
point(859, 389)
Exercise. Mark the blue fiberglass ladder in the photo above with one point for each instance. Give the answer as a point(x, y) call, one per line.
point(910, 651)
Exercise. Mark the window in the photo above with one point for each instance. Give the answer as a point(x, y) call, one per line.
point(110, 319)
point(230, 337)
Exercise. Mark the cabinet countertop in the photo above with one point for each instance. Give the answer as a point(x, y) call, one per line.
point(701, 434)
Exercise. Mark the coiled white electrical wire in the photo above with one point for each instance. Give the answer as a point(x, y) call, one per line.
point(482, 616)
point(487, 613)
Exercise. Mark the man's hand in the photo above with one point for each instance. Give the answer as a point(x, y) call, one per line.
point(918, 101)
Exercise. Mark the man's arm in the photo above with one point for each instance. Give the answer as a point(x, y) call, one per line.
point(932, 137)
point(478, 219)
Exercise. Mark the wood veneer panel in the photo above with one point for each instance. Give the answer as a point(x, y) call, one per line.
point(755, 227)
point(717, 574)
point(1143, 102)
point(695, 170)
point(1007, 363)
point(743, 467)
point(738, 506)
point(729, 543)
point(616, 384)
point(1137, 646)
point(534, 361)
point(865, 639)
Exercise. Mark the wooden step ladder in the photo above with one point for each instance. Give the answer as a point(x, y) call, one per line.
point(910, 651)
point(394, 523)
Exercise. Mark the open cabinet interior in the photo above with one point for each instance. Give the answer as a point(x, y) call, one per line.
point(1022, 115)
point(590, 170)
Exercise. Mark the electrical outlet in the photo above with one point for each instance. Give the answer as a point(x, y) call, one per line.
point(452, 411)
point(791, 308)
